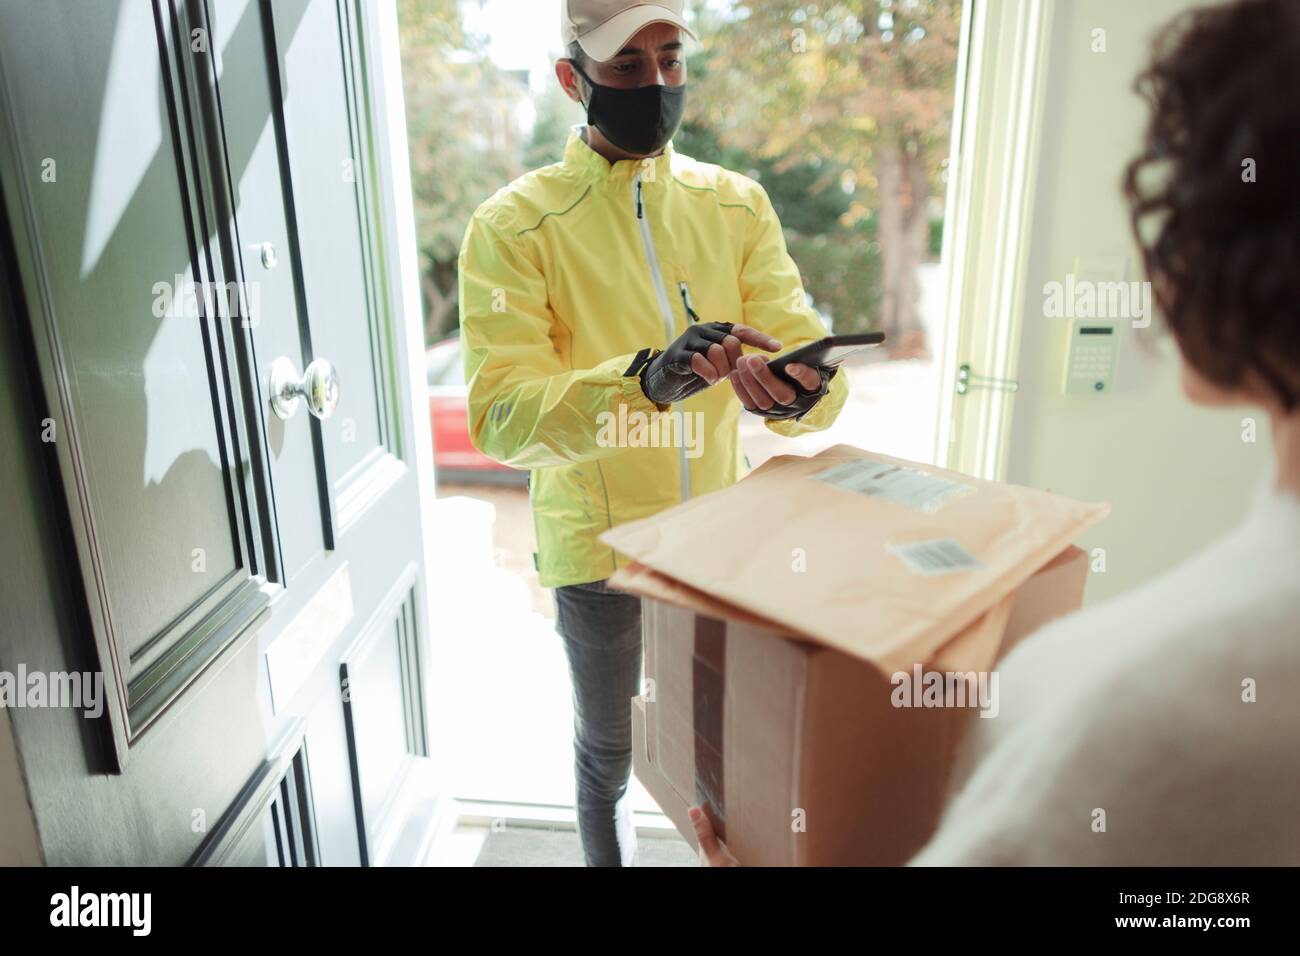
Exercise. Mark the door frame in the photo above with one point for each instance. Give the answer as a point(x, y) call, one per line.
point(20, 840)
point(1001, 95)
point(401, 262)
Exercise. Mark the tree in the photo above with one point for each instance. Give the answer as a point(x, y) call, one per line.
point(840, 265)
point(556, 115)
point(865, 84)
point(459, 122)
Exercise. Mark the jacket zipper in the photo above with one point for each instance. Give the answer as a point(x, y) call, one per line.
point(656, 274)
point(686, 301)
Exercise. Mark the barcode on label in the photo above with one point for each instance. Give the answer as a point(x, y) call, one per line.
point(940, 556)
point(903, 486)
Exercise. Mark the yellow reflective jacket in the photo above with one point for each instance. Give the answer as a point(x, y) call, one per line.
point(565, 275)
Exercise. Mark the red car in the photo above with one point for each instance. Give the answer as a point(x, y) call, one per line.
point(454, 455)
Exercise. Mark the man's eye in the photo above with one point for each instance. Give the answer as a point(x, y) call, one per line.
point(672, 64)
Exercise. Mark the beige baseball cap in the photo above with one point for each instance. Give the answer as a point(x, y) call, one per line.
point(603, 27)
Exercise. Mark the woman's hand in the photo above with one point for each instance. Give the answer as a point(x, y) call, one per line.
point(712, 852)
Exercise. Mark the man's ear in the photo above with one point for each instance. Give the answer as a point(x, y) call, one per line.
point(570, 82)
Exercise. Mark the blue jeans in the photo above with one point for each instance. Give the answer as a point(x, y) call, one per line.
point(601, 629)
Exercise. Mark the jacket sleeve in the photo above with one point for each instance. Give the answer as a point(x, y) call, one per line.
point(527, 409)
point(773, 301)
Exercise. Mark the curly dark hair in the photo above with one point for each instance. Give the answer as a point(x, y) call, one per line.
point(1223, 252)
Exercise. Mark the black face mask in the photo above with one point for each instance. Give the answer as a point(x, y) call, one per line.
point(640, 120)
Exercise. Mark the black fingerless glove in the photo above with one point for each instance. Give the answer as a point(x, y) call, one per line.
point(668, 377)
point(804, 399)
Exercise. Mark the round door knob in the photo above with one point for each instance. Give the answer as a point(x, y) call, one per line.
point(318, 384)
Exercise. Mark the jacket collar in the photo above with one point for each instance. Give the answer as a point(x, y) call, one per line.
point(589, 164)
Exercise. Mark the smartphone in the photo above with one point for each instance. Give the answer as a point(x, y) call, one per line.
point(830, 351)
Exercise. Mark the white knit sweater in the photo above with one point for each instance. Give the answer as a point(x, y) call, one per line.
point(1135, 707)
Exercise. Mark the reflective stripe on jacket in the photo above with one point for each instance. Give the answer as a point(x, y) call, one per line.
point(565, 275)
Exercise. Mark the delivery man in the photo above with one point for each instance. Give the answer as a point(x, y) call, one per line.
point(600, 299)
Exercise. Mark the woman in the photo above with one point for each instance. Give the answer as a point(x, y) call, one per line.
point(1163, 727)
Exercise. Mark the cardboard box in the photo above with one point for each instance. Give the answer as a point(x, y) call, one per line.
point(789, 736)
point(811, 729)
